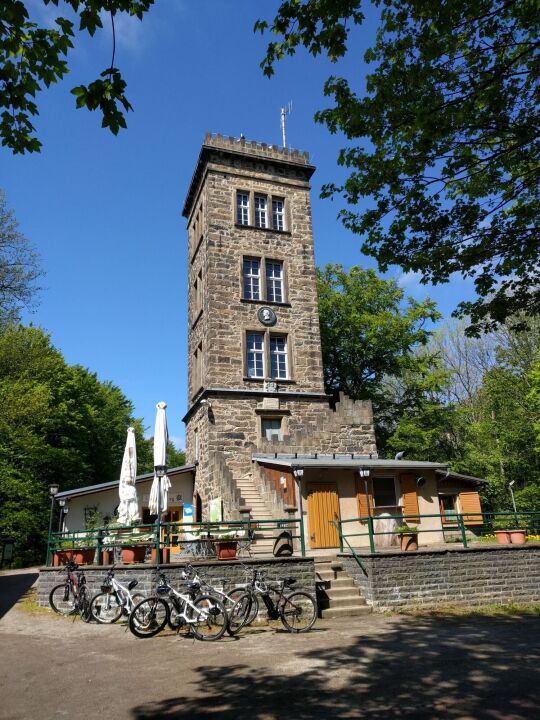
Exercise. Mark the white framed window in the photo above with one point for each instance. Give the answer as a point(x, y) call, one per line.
point(242, 208)
point(252, 278)
point(278, 357)
point(271, 428)
point(278, 214)
point(261, 220)
point(255, 355)
point(274, 281)
point(384, 492)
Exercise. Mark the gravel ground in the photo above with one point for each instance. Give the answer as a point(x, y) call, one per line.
point(374, 666)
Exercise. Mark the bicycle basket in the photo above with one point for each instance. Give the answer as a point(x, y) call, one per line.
point(162, 589)
point(106, 587)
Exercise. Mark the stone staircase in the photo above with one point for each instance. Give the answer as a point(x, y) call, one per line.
point(259, 511)
point(337, 595)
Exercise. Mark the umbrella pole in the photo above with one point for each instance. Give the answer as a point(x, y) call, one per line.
point(158, 543)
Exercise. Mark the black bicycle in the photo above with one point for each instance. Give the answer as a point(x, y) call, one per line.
point(204, 614)
point(297, 610)
point(71, 596)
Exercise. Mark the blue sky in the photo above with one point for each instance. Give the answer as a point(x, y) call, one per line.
point(105, 212)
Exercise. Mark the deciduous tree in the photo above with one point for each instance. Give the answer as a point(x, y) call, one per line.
point(444, 141)
point(34, 56)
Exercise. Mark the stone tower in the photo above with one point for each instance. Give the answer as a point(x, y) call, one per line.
point(255, 375)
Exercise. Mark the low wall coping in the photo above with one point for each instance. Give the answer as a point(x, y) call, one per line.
point(441, 551)
point(194, 563)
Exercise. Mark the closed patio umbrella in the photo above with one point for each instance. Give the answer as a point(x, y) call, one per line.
point(128, 510)
point(159, 495)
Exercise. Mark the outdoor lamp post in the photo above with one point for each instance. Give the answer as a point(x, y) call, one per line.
point(512, 494)
point(64, 513)
point(298, 473)
point(364, 473)
point(61, 503)
point(53, 489)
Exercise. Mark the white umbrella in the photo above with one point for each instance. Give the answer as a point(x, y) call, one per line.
point(128, 510)
point(161, 438)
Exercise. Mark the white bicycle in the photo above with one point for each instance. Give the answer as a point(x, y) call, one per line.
point(205, 615)
point(114, 600)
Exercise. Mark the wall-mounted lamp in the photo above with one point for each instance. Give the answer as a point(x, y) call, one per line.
point(160, 470)
point(298, 472)
point(364, 472)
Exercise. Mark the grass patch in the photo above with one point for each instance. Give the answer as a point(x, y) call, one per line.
point(490, 611)
point(28, 603)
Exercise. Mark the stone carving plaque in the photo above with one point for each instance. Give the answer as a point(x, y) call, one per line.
point(267, 316)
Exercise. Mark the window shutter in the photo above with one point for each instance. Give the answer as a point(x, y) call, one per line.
point(361, 499)
point(410, 498)
point(470, 502)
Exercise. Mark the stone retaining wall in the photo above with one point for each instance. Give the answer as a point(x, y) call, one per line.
point(225, 574)
point(457, 576)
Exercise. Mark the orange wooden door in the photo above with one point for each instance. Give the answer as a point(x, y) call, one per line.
point(323, 507)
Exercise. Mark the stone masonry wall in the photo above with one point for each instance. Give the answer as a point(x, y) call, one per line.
point(232, 429)
point(225, 574)
point(453, 577)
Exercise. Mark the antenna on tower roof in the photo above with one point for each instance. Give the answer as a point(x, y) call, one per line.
point(284, 112)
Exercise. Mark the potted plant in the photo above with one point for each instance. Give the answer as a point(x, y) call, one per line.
point(76, 550)
point(134, 548)
point(408, 536)
point(226, 549)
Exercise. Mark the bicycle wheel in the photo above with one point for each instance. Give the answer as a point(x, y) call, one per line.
point(135, 600)
point(62, 600)
point(106, 608)
point(208, 619)
point(298, 612)
point(236, 593)
point(240, 613)
point(84, 604)
point(149, 617)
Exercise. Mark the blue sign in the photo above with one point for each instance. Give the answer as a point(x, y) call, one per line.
point(188, 511)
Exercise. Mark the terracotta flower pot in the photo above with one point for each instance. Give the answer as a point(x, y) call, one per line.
point(518, 537)
point(107, 557)
point(503, 537)
point(409, 542)
point(133, 554)
point(82, 556)
point(226, 550)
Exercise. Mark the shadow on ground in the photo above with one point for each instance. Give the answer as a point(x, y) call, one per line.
point(423, 668)
point(13, 587)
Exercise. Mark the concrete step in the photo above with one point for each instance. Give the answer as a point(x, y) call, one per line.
point(342, 592)
point(347, 601)
point(351, 611)
point(336, 582)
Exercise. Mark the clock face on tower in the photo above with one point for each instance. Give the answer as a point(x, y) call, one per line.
point(267, 316)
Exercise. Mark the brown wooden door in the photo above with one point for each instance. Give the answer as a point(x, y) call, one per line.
point(323, 507)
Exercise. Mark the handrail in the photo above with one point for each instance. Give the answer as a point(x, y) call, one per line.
point(530, 519)
point(107, 537)
point(356, 557)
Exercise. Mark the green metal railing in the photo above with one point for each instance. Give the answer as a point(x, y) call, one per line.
point(484, 524)
point(164, 536)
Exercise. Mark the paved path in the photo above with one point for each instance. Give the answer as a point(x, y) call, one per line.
point(377, 667)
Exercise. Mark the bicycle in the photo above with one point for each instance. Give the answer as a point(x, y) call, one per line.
point(296, 610)
point(114, 600)
point(204, 614)
point(71, 596)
